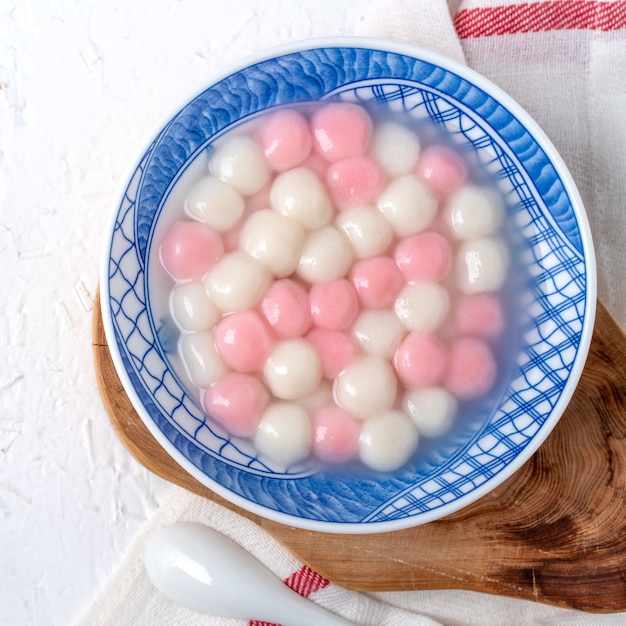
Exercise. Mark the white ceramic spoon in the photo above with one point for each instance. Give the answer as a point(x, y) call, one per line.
point(203, 570)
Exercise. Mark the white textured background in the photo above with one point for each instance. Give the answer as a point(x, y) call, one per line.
point(83, 84)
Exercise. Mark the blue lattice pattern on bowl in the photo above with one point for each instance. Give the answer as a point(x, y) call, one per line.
point(546, 211)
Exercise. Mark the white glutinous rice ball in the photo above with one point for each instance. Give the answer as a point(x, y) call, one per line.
point(300, 195)
point(284, 433)
point(191, 307)
point(326, 256)
point(474, 212)
point(215, 203)
point(240, 163)
point(395, 147)
point(408, 204)
point(482, 265)
point(200, 358)
point(237, 282)
point(431, 409)
point(422, 307)
point(387, 441)
point(378, 332)
point(293, 369)
point(367, 229)
point(368, 386)
point(273, 239)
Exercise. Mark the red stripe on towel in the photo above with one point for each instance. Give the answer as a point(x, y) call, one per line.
point(305, 581)
point(535, 17)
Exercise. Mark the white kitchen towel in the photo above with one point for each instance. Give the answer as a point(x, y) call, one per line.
point(563, 61)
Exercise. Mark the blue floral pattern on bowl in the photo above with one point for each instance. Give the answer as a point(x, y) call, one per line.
point(547, 212)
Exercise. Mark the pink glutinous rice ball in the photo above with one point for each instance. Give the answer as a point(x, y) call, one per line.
point(334, 305)
point(190, 249)
point(244, 341)
point(425, 256)
point(287, 308)
point(441, 169)
point(479, 314)
point(285, 139)
point(336, 350)
point(237, 401)
point(355, 181)
point(377, 281)
point(335, 435)
point(340, 130)
point(472, 368)
point(420, 360)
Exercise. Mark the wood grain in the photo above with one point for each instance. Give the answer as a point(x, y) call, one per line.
point(555, 532)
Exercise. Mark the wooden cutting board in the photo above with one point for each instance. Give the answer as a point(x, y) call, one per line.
point(555, 532)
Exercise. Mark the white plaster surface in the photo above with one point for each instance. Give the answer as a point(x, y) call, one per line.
point(83, 84)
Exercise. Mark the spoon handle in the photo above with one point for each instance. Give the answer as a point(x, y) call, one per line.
point(201, 569)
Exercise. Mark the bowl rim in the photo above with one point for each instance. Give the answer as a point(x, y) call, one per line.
point(589, 259)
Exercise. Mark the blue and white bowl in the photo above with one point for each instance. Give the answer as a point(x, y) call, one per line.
point(546, 213)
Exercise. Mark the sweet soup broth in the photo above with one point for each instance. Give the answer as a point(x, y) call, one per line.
point(339, 284)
